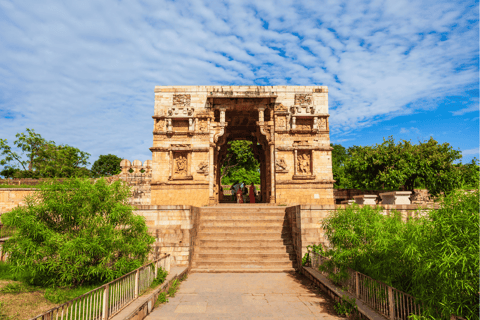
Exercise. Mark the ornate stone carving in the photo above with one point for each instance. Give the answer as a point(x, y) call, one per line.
point(322, 124)
point(203, 168)
point(303, 163)
point(280, 108)
point(180, 164)
point(160, 125)
point(181, 100)
point(303, 99)
point(202, 125)
point(281, 165)
point(281, 122)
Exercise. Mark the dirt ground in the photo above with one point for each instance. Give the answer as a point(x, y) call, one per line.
point(21, 306)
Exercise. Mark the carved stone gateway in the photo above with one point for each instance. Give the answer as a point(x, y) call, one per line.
point(288, 127)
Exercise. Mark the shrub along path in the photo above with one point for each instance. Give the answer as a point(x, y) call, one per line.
point(246, 296)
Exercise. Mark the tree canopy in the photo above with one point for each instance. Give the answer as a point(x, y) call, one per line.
point(76, 232)
point(40, 158)
point(392, 165)
point(240, 164)
point(106, 165)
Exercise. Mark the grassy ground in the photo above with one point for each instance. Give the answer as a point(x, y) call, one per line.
point(20, 300)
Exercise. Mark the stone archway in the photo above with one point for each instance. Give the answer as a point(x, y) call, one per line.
point(242, 123)
point(288, 125)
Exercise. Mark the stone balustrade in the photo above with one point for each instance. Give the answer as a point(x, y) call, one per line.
point(136, 167)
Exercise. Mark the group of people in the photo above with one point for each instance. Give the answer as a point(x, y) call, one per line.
point(243, 194)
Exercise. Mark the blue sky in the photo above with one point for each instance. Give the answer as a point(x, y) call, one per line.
point(83, 72)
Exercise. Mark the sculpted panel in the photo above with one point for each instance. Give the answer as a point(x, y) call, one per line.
point(180, 162)
point(304, 163)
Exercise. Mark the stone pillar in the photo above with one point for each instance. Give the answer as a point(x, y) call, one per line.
point(222, 115)
point(211, 176)
point(272, 173)
point(260, 114)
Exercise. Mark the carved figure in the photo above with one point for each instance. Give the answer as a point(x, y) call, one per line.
point(181, 165)
point(170, 112)
point(203, 168)
point(322, 124)
point(281, 122)
point(160, 125)
point(202, 126)
point(281, 165)
point(303, 163)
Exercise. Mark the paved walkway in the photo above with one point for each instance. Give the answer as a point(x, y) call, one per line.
point(246, 296)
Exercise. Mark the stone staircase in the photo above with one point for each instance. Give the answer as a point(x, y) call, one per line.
point(243, 238)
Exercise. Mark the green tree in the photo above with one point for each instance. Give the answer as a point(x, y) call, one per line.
point(29, 143)
point(61, 161)
point(390, 166)
point(433, 256)
point(43, 158)
point(470, 174)
point(77, 232)
point(240, 164)
point(106, 165)
point(339, 156)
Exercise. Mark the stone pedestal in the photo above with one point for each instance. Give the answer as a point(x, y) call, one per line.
point(366, 199)
point(396, 197)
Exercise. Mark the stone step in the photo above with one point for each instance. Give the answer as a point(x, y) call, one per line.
point(255, 257)
point(243, 223)
point(242, 215)
point(226, 264)
point(244, 243)
point(241, 270)
point(240, 230)
point(228, 211)
point(251, 249)
point(255, 236)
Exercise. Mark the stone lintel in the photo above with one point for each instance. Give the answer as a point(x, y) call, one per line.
point(167, 149)
point(316, 148)
point(303, 177)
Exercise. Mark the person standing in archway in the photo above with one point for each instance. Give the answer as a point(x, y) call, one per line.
point(252, 192)
point(239, 195)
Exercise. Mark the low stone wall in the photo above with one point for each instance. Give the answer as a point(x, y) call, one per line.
point(172, 227)
point(13, 197)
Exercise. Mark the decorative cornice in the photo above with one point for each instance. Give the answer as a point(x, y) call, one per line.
point(167, 149)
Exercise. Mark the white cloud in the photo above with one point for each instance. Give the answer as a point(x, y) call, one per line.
point(83, 73)
point(470, 151)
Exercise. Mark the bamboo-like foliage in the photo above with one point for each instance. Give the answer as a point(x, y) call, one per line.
point(77, 232)
point(432, 257)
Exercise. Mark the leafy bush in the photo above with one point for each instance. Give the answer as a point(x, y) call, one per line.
point(346, 307)
point(77, 232)
point(161, 276)
point(314, 248)
point(433, 257)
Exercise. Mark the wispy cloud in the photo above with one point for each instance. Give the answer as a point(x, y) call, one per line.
point(83, 72)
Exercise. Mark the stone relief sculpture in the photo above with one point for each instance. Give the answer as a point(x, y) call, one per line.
point(180, 167)
point(281, 165)
point(322, 124)
point(203, 168)
point(160, 125)
point(181, 100)
point(303, 99)
point(202, 126)
point(303, 163)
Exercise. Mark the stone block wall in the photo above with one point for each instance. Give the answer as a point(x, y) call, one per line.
point(13, 197)
point(172, 227)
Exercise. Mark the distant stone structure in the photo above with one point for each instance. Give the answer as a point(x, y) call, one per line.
point(288, 126)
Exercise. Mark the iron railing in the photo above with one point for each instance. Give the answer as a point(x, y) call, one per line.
point(392, 303)
point(106, 301)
